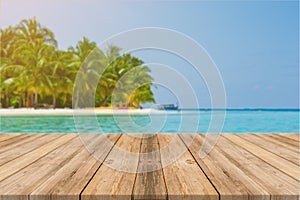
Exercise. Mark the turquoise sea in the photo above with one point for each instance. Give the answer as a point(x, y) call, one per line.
point(187, 121)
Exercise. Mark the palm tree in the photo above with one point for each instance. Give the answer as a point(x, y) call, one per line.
point(33, 68)
point(142, 95)
point(9, 66)
point(140, 91)
point(86, 68)
point(60, 82)
point(37, 61)
point(133, 82)
point(109, 77)
point(30, 31)
point(36, 44)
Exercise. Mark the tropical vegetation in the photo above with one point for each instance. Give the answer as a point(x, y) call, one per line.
point(36, 73)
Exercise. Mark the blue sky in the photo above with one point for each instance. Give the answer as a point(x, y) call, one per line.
point(254, 44)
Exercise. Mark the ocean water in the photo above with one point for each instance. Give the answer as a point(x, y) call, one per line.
point(187, 121)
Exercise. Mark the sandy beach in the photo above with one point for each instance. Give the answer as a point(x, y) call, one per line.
point(68, 111)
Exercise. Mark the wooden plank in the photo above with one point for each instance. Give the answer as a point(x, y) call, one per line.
point(26, 145)
point(20, 142)
point(20, 184)
point(272, 147)
point(228, 179)
point(19, 163)
point(183, 177)
point(268, 137)
point(149, 183)
point(277, 183)
point(236, 167)
point(291, 136)
point(109, 183)
point(280, 163)
point(11, 140)
point(4, 136)
point(70, 180)
point(285, 140)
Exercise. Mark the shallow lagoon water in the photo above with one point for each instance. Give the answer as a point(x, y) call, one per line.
point(236, 121)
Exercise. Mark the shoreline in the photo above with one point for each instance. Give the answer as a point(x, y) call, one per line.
point(111, 111)
point(70, 112)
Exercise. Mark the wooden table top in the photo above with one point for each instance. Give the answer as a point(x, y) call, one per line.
point(59, 166)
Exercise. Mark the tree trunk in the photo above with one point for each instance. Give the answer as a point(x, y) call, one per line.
point(138, 105)
point(107, 95)
point(8, 100)
point(28, 102)
point(31, 100)
point(24, 99)
point(20, 100)
point(76, 99)
point(36, 100)
point(4, 99)
point(54, 101)
point(105, 101)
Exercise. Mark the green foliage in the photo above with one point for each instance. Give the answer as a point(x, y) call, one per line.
point(14, 101)
point(34, 72)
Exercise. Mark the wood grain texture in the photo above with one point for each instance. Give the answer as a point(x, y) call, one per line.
point(12, 139)
point(291, 136)
point(69, 181)
point(149, 183)
point(283, 139)
point(20, 142)
point(109, 183)
point(6, 136)
point(61, 167)
point(26, 159)
point(20, 184)
point(278, 162)
point(183, 177)
point(272, 147)
point(277, 183)
point(278, 142)
point(229, 180)
point(24, 146)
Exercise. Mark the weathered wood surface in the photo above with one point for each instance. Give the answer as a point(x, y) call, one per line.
point(111, 183)
point(183, 177)
point(59, 166)
point(149, 182)
point(289, 154)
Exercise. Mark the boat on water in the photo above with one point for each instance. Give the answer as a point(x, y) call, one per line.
point(167, 107)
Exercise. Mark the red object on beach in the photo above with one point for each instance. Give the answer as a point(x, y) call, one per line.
point(123, 108)
point(28, 104)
